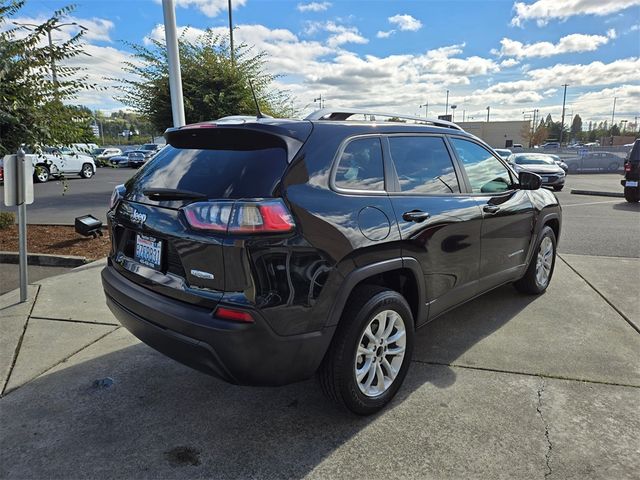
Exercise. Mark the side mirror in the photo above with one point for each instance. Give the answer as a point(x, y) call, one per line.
point(529, 180)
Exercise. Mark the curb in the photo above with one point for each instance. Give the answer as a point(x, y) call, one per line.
point(44, 260)
point(598, 194)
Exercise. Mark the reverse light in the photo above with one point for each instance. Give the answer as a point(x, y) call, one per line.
point(264, 216)
point(232, 314)
point(116, 196)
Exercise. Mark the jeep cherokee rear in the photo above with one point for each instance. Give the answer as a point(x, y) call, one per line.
point(263, 252)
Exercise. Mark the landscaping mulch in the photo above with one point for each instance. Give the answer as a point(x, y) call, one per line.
point(56, 240)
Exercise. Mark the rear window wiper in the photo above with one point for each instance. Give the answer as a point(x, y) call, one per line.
point(172, 194)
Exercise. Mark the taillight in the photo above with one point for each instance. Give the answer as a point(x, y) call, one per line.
point(232, 314)
point(627, 167)
point(265, 216)
point(116, 196)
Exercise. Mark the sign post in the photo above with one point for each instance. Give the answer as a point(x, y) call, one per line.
point(18, 190)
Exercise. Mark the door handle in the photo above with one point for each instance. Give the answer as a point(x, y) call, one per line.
point(415, 216)
point(490, 208)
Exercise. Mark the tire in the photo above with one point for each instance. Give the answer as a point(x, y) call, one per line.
point(632, 194)
point(613, 167)
point(366, 306)
point(558, 188)
point(531, 282)
point(573, 168)
point(41, 174)
point(87, 171)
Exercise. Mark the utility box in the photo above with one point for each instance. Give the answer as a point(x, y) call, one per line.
point(18, 180)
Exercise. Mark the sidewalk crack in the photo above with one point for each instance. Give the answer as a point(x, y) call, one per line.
point(19, 344)
point(547, 455)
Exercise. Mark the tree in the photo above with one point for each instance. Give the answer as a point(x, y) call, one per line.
point(35, 110)
point(540, 135)
point(576, 127)
point(213, 85)
point(615, 130)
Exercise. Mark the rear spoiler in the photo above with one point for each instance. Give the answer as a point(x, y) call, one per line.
point(241, 136)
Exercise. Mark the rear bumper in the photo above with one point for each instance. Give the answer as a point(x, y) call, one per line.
point(240, 353)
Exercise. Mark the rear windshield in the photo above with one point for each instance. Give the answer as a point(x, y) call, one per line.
point(215, 173)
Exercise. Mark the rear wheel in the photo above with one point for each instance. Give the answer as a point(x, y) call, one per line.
point(41, 174)
point(371, 350)
point(557, 188)
point(538, 275)
point(572, 167)
point(614, 166)
point(87, 170)
point(632, 194)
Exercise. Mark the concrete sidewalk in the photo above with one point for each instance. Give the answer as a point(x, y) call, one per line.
point(507, 386)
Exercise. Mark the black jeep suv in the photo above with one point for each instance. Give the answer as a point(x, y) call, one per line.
point(265, 251)
point(632, 174)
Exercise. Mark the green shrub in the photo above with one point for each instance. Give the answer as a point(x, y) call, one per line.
point(6, 220)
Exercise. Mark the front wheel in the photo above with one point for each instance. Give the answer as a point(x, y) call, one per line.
point(41, 174)
point(558, 188)
point(371, 350)
point(87, 171)
point(632, 194)
point(538, 275)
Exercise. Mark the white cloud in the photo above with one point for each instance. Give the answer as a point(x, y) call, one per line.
point(544, 10)
point(211, 8)
point(383, 34)
point(509, 62)
point(406, 23)
point(573, 43)
point(313, 6)
point(340, 34)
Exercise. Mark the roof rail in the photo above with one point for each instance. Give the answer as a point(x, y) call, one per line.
point(341, 114)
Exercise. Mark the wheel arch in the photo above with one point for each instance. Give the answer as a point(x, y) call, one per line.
point(402, 274)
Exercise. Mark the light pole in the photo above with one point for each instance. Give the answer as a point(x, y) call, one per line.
point(446, 105)
point(488, 112)
point(564, 101)
point(426, 108)
point(54, 72)
point(233, 55)
point(173, 57)
point(613, 114)
point(624, 125)
point(463, 112)
point(453, 112)
point(320, 101)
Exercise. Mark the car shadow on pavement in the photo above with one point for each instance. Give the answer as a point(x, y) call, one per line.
point(627, 206)
point(122, 410)
point(447, 338)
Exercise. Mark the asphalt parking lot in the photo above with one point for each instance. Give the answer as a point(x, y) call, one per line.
point(506, 386)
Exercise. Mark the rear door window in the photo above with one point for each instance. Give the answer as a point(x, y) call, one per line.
point(243, 172)
point(360, 166)
point(423, 165)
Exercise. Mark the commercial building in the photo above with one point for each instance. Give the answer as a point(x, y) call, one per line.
point(500, 134)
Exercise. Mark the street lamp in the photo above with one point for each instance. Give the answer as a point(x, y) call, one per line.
point(446, 106)
point(453, 112)
point(488, 112)
point(54, 73)
point(624, 125)
point(426, 108)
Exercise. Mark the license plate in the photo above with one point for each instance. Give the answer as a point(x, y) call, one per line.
point(148, 251)
point(631, 183)
point(545, 179)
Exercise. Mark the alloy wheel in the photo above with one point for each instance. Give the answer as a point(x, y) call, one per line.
point(544, 262)
point(380, 353)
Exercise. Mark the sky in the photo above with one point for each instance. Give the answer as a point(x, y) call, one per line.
point(398, 55)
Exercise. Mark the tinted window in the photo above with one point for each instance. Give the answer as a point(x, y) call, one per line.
point(360, 166)
point(486, 174)
point(423, 165)
point(215, 173)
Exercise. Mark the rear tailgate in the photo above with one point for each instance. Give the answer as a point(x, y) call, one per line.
point(153, 243)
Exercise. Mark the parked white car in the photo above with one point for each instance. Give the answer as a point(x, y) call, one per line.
point(102, 155)
point(55, 162)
